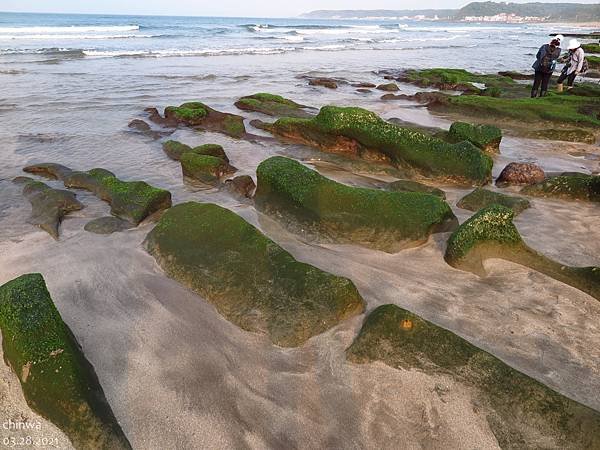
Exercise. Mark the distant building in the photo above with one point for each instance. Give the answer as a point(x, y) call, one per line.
point(504, 17)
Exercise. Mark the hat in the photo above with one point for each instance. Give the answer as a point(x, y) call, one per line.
point(573, 44)
point(559, 37)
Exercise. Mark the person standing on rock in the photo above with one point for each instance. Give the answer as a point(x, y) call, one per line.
point(574, 66)
point(544, 65)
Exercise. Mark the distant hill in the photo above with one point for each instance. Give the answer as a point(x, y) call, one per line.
point(549, 12)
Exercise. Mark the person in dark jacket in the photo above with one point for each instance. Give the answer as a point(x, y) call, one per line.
point(544, 65)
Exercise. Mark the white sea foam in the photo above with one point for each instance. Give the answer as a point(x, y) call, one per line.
point(73, 36)
point(71, 29)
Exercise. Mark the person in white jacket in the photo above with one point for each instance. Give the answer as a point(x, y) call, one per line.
point(573, 67)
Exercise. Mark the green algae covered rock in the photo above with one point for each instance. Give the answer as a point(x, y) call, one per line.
point(520, 411)
point(174, 149)
point(48, 205)
point(490, 233)
point(130, 200)
point(312, 203)
point(453, 79)
point(57, 380)
point(362, 133)
point(485, 137)
point(481, 198)
point(204, 168)
point(250, 279)
point(568, 187)
point(272, 105)
point(591, 48)
point(203, 117)
point(414, 186)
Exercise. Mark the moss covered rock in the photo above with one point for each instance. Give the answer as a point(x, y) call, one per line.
point(383, 220)
point(359, 132)
point(414, 186)
point(388, 87)
point(490, 233)
point(480, 198)
point(174, 149)
point(594, 61)
point(562, 134)
point(591, 48)
point(57, 380)
point(251, 280)
point(48, 205)
point(272, 105)
point(203, 117)
point(204, 168)
point(486, 137)
point(107, 225)
point(453, 79)
point(568, 187)
point(520, 411)
point(130, 200)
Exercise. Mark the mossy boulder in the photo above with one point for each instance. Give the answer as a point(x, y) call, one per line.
point(453, 79)
point(242, 185)
point(568, 187)
point(272, 105)
point(485, 137)
point(174, 149)
point(130, 200)
point(58, 382)
point(204, 168)
point(516, 173)
point(594, 61)
point(329, 83)
point(361, 133)
point(490, 233)
point(388, 87)
point(414, 186)
point(480, 198)
point(520, 411)
point(203, 117)
point(250, 279)
point(48, 205)
point(388, 221)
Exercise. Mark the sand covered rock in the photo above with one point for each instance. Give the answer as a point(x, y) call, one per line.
point(520, 411)
point(480, 198)
point(57, 380)
point(204, 168)
point(361, 133)
point(243, 185)
point(48, 205)
point(107, 225)
point(272, 105)
point(485, 137)
point(203, 117)
point(414, 186)
point(567, 187)
point(130, 200)
point(490, 233)
point(388, 221)
point(251, 280)
point(520, 173)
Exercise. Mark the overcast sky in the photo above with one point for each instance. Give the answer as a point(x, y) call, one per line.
point(231, 8)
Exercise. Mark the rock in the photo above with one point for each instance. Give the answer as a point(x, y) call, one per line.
point(139, 125)
point(453, 79)
point(414, 186)
point(107, 225)
point(174, 149)
point(490, 233)
point(272, 105)
point(242, 185)
point(520, 411)
point(364, 91)
point(520, 173)
point(360, 133)
point(130, 200)
point(250, 279)
point(591, 48)
point(517, 75)
point(480, 198)
point(486, 137)
point(58, 382)
point(156, 118)
point(307, 201)
point(563, 134)
point(363, 84)
point(48, 205)
point(215, 150)
point(569, 187)
point(388, 87)
point(325, 82)
point(204, 168)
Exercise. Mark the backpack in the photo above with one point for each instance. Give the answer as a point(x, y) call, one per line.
point(547, 63)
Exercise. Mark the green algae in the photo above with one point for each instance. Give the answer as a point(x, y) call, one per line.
point(271, 105)
point(450, 79)
point(215, 150)
point(191, 112)
point(175, 149)
point(568, 187)
point(57, 380)
point(485, 137)
point(384, 220)
point(521, 412)
point(200, 116)
point(234, 126)
point(591, 48)
point(461, 162)
point(250, 279)
point(594, 61)
point(480, 198)
point(204, 168)
point(414, 186)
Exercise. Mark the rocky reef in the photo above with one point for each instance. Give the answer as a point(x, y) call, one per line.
point(250, 279)
point(520, 411)
point(490, 233)
point(361, 133)
point(306, 200)
point(480, 198)
point(57, 380)
point(48, 205)
point(567, 187)
point(130, 200)
point(453, 79)
point(272, 105)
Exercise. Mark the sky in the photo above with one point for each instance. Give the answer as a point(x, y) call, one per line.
point(227, 8)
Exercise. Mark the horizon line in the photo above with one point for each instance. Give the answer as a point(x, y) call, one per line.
point(148, 15)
